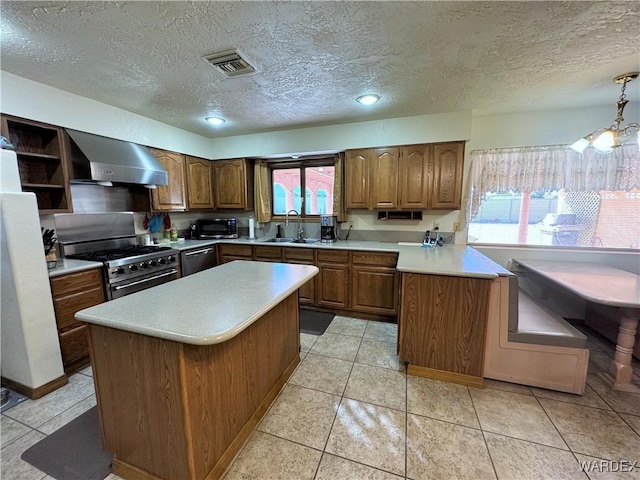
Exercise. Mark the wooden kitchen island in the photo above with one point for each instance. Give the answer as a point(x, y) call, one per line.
point(444, 312)
point(185, 370)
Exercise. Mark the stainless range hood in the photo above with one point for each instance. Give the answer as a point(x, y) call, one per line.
point(102, 160)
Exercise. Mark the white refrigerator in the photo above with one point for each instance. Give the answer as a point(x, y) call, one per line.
point(30, 352)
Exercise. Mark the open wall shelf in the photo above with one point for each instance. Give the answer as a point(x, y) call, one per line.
point(400, 215)
point(40, 149)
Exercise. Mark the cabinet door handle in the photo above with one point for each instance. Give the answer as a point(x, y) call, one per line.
point(170, 272)
point(199, 252)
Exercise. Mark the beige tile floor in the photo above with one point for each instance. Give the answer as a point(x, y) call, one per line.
point(349, 411)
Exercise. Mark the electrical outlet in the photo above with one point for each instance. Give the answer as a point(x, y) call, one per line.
point(436, 226)
point(456, 226)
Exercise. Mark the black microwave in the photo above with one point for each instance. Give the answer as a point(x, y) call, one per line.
point(215, 228)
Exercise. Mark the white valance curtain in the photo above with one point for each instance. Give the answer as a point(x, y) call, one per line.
point(548, 168)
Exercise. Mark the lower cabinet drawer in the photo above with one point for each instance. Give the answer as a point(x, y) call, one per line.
point(74, 344)
point(75, 282)
point(269, 254)
point(375, 258)
point(231, 258)
point(237, 250)
point(293, 253)
point(333, 256)
point(67, 306)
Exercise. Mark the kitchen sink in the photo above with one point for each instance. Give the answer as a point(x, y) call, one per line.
point(291, 240)
point(306, 240)
point(280, 240)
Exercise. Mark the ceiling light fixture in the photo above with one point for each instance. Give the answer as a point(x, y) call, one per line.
point(606, 139)
point(368, 99)
point(215, 120)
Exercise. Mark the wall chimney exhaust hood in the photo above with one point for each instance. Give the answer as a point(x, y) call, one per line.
point(102, 160)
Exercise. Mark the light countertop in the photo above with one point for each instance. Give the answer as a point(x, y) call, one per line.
point(205, 308)
point(450, 260)
point(69, 265)
point(592, 281)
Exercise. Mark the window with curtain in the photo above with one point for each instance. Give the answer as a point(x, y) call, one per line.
point(321, 200)
point(313, 177)
point(279, 199)
point(555, 196)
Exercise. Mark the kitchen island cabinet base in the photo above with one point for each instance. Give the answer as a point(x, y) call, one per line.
point(442, 326)
point(174, 410)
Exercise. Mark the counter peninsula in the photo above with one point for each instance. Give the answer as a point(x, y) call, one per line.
point(185, 370)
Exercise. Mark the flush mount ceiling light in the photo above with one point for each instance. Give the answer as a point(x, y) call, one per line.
point(606, 139)
point(368, 99)
point(215, 120)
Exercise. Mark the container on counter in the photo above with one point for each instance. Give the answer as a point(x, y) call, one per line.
point(252, 227)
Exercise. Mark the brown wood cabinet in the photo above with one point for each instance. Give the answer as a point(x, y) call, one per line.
point(174, 195)
point(443, 324)
point(374, 282)
point(189, 409)
point(358, 281)
point(383, 179)
point(409, 177)
point(229, 253)
point(267, 254)
point(332, 286)
point(357, 179)
point(414, 180)
point(42, 162)
point(199, 183)
point(71, 293)
point(233, 184)
point(302, 256)
point(448, 161)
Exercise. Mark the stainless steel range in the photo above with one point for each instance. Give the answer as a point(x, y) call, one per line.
point(110, 239)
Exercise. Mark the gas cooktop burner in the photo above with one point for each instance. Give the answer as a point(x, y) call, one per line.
point(118, 253)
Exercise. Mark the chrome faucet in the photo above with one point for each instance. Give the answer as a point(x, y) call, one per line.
point(300, 234)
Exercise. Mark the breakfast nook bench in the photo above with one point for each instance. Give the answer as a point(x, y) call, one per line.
point(530, 345)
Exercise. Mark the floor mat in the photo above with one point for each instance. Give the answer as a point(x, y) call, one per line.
point(73, 452)
point(314, 323)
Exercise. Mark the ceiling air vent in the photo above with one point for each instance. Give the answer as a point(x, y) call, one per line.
point(230, 63)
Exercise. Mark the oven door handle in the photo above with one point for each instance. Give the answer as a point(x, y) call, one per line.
point(204, 251)
point(170, 272)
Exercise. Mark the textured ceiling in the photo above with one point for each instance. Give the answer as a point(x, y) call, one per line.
point(314, 58)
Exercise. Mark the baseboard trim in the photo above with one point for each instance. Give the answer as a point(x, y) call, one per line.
point(445, 376)
point(352, 314)
point(38, 392)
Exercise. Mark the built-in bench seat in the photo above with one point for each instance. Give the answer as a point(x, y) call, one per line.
point(538, 325)
point(530, 345)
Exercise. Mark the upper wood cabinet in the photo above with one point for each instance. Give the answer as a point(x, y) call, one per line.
point(42, 162)
point(448, 160)
point(199, 183)
point(357, 179)
point(410, 177)
point(383, 180)
point(233, 184)
point(174, 195)
point(415, 177)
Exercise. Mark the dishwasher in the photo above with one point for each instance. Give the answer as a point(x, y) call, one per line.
point(197, 259)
